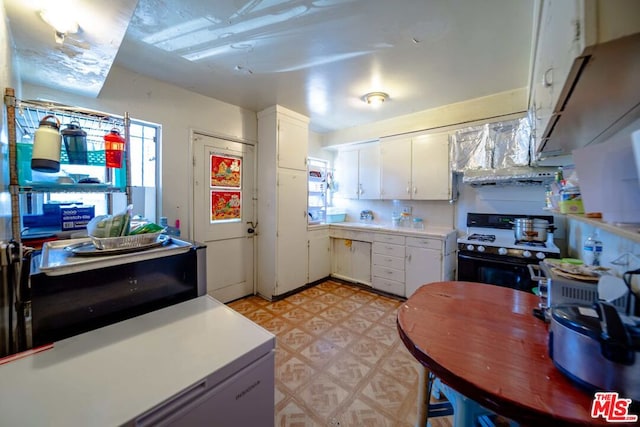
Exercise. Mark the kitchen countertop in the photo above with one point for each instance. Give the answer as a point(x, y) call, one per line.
point(388, 228)
point(111, 375)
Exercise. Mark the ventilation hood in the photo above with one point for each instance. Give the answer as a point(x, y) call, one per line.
point(510, 176)
point(602, 100)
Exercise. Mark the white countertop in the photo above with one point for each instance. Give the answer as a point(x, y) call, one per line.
point(109, 376)
point(441, 232)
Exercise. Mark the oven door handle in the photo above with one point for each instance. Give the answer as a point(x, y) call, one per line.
point(535, 274)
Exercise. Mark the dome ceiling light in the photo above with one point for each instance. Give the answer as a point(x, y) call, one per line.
point(375, 98)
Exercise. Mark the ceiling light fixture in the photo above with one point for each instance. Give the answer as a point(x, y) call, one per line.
point(61, 21)
point(375, 98)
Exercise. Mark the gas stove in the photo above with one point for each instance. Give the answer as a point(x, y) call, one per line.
point(493, 234)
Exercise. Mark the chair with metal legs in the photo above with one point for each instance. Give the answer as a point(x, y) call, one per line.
point(465, 411)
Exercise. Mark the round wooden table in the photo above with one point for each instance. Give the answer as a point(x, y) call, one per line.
point(483, 341)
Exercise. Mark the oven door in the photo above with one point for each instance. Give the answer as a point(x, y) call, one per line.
point(498, 270)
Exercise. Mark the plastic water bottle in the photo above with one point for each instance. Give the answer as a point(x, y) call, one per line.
point(592, 250)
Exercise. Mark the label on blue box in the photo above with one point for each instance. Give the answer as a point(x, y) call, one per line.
point(76, 218)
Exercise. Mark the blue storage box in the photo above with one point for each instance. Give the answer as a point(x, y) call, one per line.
point(76, 218)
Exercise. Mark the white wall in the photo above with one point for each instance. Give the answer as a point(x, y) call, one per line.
point(437, 214)
point(508, 199)
point(317, 150)
point(465, 112)
point(178, 111)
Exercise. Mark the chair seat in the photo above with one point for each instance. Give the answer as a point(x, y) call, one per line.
point(466, 412)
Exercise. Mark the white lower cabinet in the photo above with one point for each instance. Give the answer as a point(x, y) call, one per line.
point(389, 263)
point(319, 254)
point(351, 256)
point(428, 260)
point(392, 261)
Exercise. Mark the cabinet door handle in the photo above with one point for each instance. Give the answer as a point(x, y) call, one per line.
point(415, 190)
point(547, 78)
point(409, 258)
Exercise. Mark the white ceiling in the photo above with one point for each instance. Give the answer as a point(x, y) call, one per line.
point(316, 57)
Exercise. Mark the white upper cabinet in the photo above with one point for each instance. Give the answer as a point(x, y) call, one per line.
point(582, 84)
point(346, 174)
point(430, 167)
point(369, 172)
point(293, 135)
point(560, 41)
point(395, 168)
point(357, 172)
point(416, 167)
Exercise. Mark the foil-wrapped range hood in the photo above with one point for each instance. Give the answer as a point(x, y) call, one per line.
point(522, 175)
point(497, 154)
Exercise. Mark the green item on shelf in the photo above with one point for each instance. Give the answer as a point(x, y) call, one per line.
point(149, 227)
point(573, 261)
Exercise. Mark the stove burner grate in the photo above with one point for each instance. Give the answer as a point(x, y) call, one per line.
point(531, 243)
point(482, 237)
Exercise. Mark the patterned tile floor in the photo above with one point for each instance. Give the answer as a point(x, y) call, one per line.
point(339, 359)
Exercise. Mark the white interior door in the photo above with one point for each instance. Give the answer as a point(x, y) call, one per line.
point(224, 198)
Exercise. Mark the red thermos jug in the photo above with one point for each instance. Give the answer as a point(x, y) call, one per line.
point(113, 147)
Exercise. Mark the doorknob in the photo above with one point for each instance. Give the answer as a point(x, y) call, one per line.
point(252, 227)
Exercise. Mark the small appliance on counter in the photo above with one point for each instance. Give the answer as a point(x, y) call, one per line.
point(366, 215)
point(597, 347)
point(556, 287)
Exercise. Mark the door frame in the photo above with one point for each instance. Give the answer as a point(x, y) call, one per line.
point(254, 197)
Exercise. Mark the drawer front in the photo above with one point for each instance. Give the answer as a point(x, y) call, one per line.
point(391, 286)
point(336, 233)
point(351, 235)
point(388, 273)
point(422, 242)
point(389, 238)
point(388, 261)
point(388, 249)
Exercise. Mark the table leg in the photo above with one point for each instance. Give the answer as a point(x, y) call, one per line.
point(423, 399)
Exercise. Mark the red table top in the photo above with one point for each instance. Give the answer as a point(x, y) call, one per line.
point(483, 341)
